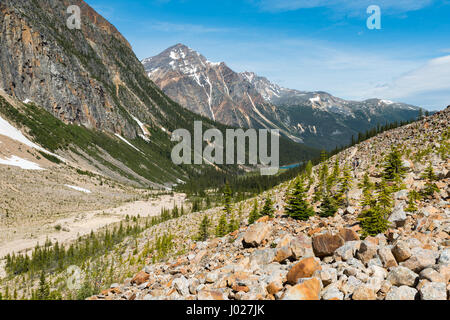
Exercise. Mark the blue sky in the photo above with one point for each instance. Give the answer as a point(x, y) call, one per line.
point(305, 44)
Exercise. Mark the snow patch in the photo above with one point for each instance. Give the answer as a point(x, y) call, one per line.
point(19, 162)
point(126, 141)
point(315, 99)
point(78, 188)
point(143, 128)
point(6, 129)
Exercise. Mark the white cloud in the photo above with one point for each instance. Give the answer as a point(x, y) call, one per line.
point(431, 80)
point(393, 6)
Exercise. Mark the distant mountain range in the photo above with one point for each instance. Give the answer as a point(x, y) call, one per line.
point(247, 100)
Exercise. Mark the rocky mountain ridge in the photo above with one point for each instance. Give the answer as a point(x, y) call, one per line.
point(211, 89)
point(322, 258)
point(248, 100)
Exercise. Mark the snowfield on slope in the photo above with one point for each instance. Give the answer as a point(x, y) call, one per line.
point(21, 163)
point(78, 188)
point(11, 132)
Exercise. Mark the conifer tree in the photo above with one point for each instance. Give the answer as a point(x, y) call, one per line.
point(345, 185)
point(203, 234)
point(308, 172)
point(367, 191)
point(328, 207)
point(373, 222)
point(384, 198)
point(43, 290)
point(254, 214)
point(393, 166)
point(267, 209)
point(333, 178)
point(221, 228)
point(430, 177)
point(373, 219)
point(233, 224)
point(413, 196)
point(228, 194)
point(323, 177)
point(298, 206)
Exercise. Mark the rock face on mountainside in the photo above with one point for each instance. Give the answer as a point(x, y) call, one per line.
point(210, 89)
point(89, 76)
point(326, 258)
point(248, 100)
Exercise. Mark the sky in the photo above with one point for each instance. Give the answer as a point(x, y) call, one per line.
point(313, 45)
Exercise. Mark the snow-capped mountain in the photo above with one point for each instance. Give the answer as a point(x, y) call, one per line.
point(210, 89)
point(280, 96)
point(247, 100)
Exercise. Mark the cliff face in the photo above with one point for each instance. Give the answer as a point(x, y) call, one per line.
point(89, 76)
point(210, 89)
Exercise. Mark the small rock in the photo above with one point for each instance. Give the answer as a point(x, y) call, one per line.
point(181, 284)
point(210, 295)
point(432, 275)
point(398, 217)
point(303, 269)
point(401, 251)
point(140, 278)
point(420, 259)
point(364, 292)
point(400, 276)
point(387, 258)
point(444, 258)
point(401, 293)
point(256, 234)
point(348, 250)
point(332, 293)
point(367, 250)
point(433, 291)
point(348, 234)
point(327, 276)
point(325, 244)
point(307, 290)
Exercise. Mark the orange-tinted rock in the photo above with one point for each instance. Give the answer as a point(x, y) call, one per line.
point(307, 290)
point(364, 293)
point(282, 254)
point(240, 288)
point(305, 268)
point(274, 287)
point(256, 234)
point(140, 278)
point(263, 219)
point(348, 234)
point(325, 244)
point(210, 295)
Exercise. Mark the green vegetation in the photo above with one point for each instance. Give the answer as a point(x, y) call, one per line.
point(430, 177)
point(298, 207)
point(267, 209)
point(203, 233)
point(254, 214)
point(221, 229)
point(373, 218)
point(393, 167)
